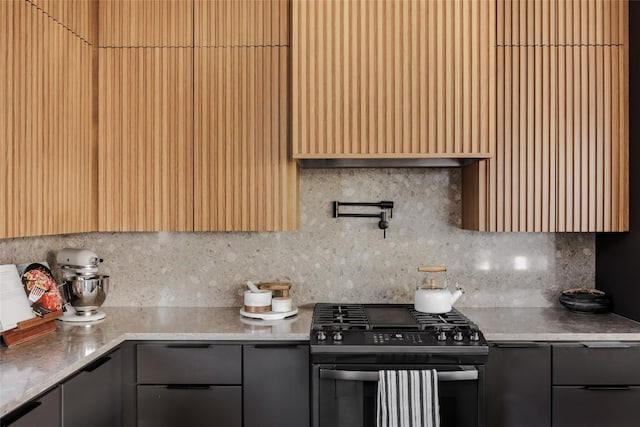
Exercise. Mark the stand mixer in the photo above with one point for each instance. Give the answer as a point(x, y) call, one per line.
point(83, 289)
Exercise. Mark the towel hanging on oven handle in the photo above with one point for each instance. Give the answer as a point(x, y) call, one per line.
point(466, 373)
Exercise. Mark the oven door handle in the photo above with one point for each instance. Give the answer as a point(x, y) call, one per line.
point(467, 373)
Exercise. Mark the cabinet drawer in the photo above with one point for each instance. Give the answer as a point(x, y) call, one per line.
point(189, 364)
point(41, 412)
point(575, 364)
point(170, 406)
point(94, 394)
point(595, 407)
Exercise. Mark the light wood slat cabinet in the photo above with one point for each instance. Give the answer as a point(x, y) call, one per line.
point(146, 134)
point(393, 78)
point(244, 177)
point(236, 23)
point(47, 148)
point(79, 16)
point(561, 158)
point(592, 139)
point(526, 22)
point(515, 190)
point(560, 22)
point(594, 22)
point(156, 23)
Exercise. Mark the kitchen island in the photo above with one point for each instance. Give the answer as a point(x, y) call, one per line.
point(28, 369)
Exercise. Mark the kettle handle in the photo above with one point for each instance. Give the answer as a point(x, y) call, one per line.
point(432, 268)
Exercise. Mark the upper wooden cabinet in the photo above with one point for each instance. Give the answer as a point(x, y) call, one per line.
point(561, 158)
point(146, 139)
point(146, 23)
point(79, 16)
point(393, 78)
point(236, 23)
point(245, 179)
point(47, 147)
point(560, 22)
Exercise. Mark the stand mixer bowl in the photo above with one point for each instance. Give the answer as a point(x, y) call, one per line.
point(86, 294)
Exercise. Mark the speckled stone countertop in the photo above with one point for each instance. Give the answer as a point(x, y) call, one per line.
point(551, 324)
point(28, 369)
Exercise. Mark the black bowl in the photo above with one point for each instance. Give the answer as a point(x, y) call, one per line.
point(586, 300)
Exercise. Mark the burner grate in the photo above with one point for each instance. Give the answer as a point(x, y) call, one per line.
point(354, 317)
point(348, 316)
point(450, 320)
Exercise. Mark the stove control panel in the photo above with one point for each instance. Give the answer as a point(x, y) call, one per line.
point(439, 337)
point(412, 338)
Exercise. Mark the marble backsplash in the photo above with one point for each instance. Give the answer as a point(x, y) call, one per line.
point(338, 260)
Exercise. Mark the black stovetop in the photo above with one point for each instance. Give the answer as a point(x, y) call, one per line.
point(384, 316)
point(392, 329)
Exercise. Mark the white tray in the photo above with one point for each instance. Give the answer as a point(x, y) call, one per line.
point(270, 315)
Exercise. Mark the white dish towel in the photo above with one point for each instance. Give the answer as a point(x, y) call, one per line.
point(408, 399)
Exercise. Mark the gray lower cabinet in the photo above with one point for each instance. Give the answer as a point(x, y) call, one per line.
point(518, 385)
point(613, 406)
point(189, 363)
point(41, 412)
point(189, 384)
point(93, 395)
point(189, 406)
point(596, 384)
point(276, 385)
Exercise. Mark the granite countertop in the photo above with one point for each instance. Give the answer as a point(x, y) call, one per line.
point(28, 369)
point(551, 324)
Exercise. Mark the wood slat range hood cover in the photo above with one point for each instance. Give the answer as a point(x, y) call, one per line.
point(392, 83)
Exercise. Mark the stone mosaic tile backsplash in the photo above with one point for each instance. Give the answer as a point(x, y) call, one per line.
point(338, 260)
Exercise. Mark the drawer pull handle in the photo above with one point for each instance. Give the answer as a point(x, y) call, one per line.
point(95, 365)
point(188, 346)
point(605, 344)
point(605, 387)
point(187, 387)
point(10, 419)
point(520, 345)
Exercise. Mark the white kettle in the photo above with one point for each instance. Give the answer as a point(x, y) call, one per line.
point(433, 299)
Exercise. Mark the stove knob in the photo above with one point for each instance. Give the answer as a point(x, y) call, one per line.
point(474, 335)
point(441, 336)
point(337, 336)
point(321, 336)
point(457, 336)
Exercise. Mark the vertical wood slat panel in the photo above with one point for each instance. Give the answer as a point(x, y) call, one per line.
point(594, 145)
point(44, 126)
point(145, 134)
point(73, 14)
point(241, 23)
point(524, 163)
point(559, 22)
point(413, 117)
point(157, 23)
point(244, 178)
point(593, 22)
point(527, 22)
point(574, 96)
point(576, 167)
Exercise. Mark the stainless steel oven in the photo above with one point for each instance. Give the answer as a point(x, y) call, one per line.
point(350, 346)
point(345, 395)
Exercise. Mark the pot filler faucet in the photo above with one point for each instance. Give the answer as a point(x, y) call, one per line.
point(383, 224)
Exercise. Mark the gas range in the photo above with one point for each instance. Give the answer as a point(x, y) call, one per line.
point(393, 329)
point(351, 344)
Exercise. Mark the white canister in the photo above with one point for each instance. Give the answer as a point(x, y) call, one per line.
point(281, 304)
point(257, 302)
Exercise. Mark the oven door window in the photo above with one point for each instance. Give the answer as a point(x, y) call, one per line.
point(351, 402)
